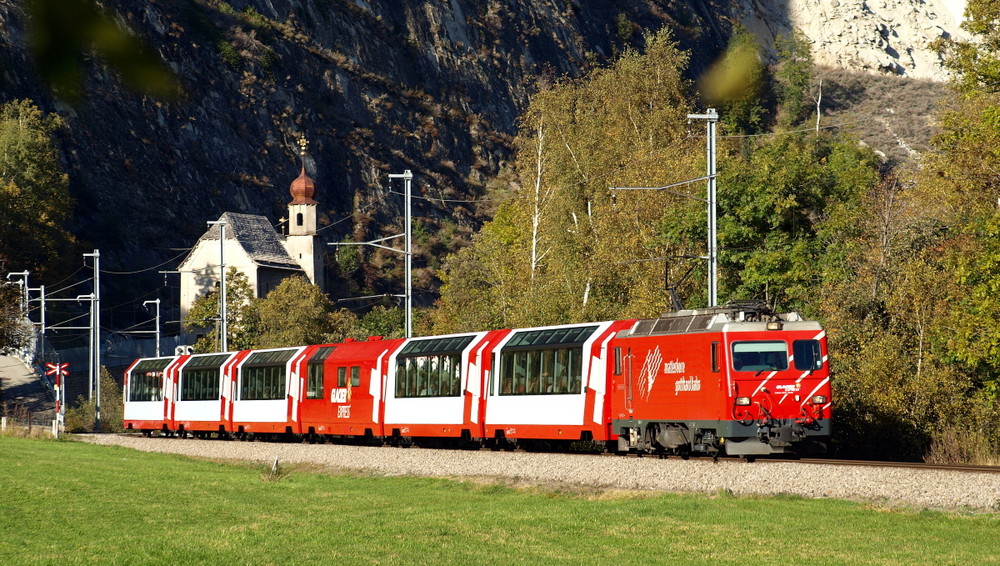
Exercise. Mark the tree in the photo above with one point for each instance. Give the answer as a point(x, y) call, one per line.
point(297, 312)
point(34, 191)
point(242, 316)
point(737, 84)
point(15, 331)
point(560, 248)
point(976, 62)
point(793, 76)
point(381, 321)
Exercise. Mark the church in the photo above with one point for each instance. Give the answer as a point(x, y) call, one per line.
point(253, 246)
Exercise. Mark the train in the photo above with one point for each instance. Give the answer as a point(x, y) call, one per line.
point(736, 380)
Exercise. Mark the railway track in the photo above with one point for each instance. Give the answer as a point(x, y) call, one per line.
point(910, 465)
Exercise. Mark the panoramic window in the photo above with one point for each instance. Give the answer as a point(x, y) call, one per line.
point(146, 383)
point(200, 378)
point(431, 368)
point(544, 362)
point(264, 375)
point(760, 356)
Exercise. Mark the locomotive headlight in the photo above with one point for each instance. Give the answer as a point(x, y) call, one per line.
point(819, 400)
point(774, 325)
point(742, 401)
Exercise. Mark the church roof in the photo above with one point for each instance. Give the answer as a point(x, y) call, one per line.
point(261, 242)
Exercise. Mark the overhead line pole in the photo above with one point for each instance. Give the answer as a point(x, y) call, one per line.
point(224, 329)
point(713, 247)
point(407, 177)
point(157, 303)
point(95, 338)
point(712, 118)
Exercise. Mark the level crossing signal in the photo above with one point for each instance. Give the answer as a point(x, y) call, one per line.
point(58, 370)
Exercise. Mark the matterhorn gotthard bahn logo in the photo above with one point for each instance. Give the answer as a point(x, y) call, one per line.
point(654, 366)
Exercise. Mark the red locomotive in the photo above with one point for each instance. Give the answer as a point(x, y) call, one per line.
point(734, 380)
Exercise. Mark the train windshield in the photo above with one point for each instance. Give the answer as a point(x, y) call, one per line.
point(808, 356)
point(760, 356)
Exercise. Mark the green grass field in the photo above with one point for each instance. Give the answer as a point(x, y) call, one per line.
point(75, 503)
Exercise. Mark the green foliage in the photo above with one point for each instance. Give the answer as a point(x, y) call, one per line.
point(112, 403)
point(794, 77)
point(977, 62)
point(63, 30)
point(381, 321)
point(296, 312)
point(14, 331)
point(624, 27)
point(560, 250)
point(229, 54)
point(242, 316)
point(737, 84)
point(34, 191)
point(82, 417)
point(773, 204)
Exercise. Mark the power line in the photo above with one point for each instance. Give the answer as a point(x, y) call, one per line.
point(186, 250)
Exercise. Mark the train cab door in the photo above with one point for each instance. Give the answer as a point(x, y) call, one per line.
point(626, 366)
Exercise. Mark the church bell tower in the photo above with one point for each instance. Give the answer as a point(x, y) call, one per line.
point(302, 243)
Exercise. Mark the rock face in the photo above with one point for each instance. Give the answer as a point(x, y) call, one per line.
point(378, 87)
point(880, 36)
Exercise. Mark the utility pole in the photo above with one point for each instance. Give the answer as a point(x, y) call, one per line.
point(95, 338)
point(407, 177)
point(713, 265)
point(711, 117)
point(223, 325)
point(157, 303)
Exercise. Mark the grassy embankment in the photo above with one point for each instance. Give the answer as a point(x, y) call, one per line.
point(74, 503)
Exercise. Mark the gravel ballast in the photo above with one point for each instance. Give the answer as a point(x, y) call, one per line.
point(898, 487)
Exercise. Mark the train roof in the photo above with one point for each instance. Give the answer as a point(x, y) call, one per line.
point(748, 316)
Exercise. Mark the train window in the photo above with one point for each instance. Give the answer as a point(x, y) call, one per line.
point(263, 376)
point(341, 377)
point(715, 357)
point(146, 383)
point(808, 356)
point(541, 372)
point(315, 373)
point(200, 378)
point(618, 361)
point(760, 356)
point(431, 367)
point(146, 386)
point(543, 362)
point(355, 376)
point(429, 376)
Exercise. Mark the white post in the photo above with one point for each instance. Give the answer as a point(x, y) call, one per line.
point(157, 303)
point(407, 177)
point(23, 282)
point(95, 338)
point(713, 267)
point(223, 327)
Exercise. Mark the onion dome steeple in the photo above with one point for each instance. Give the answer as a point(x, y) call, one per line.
point(303, 189)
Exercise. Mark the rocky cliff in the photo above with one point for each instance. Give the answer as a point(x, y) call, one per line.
point(377, 86)
point(878, 36)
